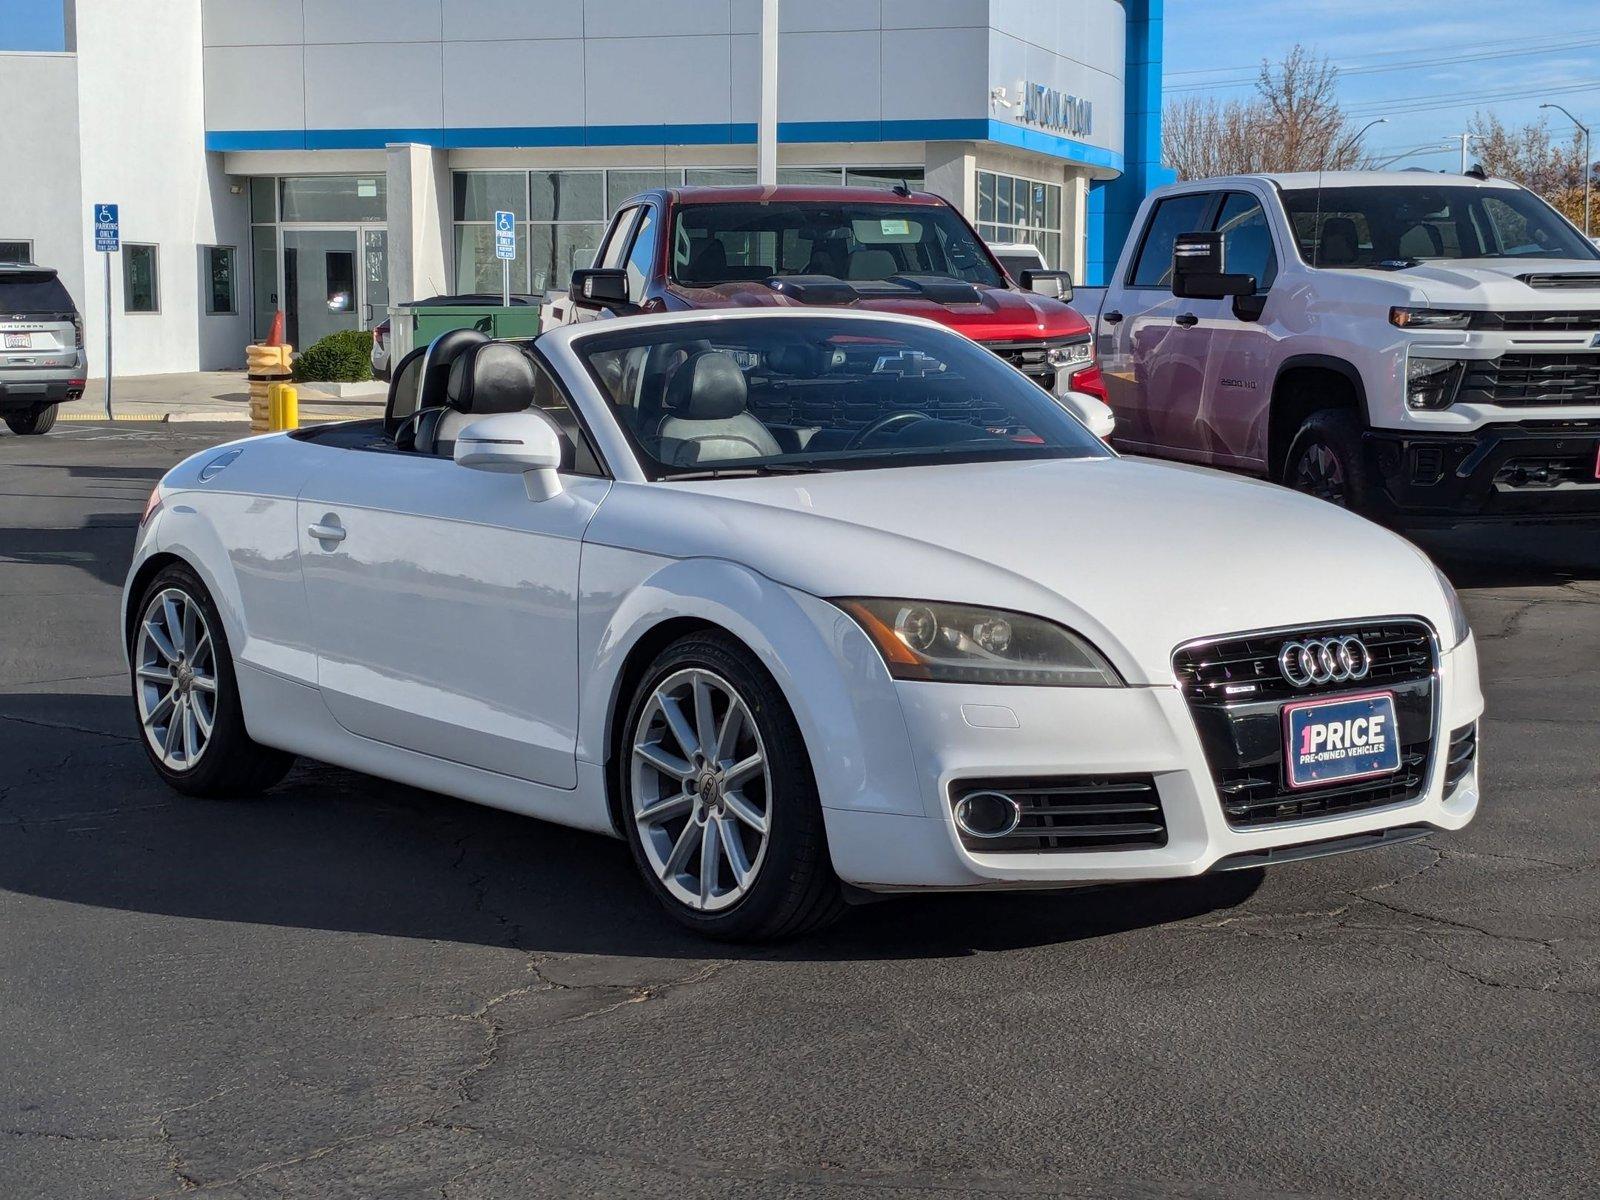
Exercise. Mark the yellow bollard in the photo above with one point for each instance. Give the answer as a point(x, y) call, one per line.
point(283, 401)
point(264, 366)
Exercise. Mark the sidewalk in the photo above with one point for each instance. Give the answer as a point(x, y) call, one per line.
point(207, 396)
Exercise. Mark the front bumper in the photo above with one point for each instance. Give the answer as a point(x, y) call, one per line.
point(966, 732)
point(1523, 471)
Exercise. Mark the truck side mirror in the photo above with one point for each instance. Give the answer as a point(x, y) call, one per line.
point(1056, 283)
point(600, 287)
point(1197, 269)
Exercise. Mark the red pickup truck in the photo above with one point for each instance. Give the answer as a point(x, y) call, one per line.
point(886, 251)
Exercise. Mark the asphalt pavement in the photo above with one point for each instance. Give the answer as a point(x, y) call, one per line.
point(353, 989)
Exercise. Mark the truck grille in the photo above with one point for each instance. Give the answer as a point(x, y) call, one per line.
point(1032, 358)
point(1114, 812)
point(1236, 693)
point(1532, 380)
point(1573, 321)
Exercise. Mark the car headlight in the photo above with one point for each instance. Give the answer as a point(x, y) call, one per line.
point(1460, 630)
point(1431, 382)
point(1071, 354)
point(960, 643)
point(1429, 318)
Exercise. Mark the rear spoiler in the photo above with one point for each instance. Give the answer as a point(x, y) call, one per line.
point(830, 289)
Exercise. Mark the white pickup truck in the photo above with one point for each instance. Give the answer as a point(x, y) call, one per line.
point(1422, 348)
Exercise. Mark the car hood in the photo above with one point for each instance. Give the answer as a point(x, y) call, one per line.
point(1495, 283)
point(1000, 314)
point(1138, 556)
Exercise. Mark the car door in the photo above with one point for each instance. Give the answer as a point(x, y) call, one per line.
point(1235, 403)
point(1156, 367)
point(443, 607)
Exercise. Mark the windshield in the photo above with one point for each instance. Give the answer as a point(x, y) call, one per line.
point(726, 243)
point(771, 395)
point(1392, 226)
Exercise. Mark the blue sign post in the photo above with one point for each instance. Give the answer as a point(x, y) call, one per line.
point(107, 220)
point(505, 249)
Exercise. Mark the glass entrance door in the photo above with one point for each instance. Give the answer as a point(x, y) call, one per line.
point(333, 279)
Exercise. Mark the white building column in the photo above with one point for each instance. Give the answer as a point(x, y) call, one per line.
point(419, 221)
point(1075, 225)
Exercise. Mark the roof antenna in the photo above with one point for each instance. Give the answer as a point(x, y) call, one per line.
point(901, 189)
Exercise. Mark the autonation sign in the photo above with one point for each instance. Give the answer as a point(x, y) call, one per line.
point(1057, 110)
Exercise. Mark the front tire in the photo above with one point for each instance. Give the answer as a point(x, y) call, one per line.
point(720, 805)
point(1325, 460)
point(38, 420)
point(186, 698)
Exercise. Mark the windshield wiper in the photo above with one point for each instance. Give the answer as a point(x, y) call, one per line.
point(745, 472)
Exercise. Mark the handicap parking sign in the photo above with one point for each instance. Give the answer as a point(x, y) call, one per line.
point(505, 235)
point(107, 227)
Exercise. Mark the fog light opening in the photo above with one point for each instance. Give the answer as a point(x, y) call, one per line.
point(988, 814)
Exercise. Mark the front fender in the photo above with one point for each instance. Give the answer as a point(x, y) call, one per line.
point(834, 680)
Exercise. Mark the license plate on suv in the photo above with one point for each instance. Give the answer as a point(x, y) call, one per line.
point(19, 341)
point(1340, 739)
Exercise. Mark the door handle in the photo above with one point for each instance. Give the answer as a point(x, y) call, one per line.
point(1186, 320)
point(1112, 318)
point(327, 530)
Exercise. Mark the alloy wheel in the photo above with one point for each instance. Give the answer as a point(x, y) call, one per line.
point(701, 789)
point(1319, 473)
point(175, 679)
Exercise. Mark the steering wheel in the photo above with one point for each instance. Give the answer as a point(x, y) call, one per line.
point(883, 425)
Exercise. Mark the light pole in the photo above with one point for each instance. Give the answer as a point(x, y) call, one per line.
point(1588, 161)
point(767, 125)
point(1360, 133)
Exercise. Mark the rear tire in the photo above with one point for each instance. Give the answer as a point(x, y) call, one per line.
point(1326, 460)
point(186, 697)
point(38, 420)
point(711, 755)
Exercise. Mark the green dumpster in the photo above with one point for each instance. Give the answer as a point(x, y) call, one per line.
point(518, 321)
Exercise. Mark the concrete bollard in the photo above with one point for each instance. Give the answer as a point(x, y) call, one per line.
point(265, 366)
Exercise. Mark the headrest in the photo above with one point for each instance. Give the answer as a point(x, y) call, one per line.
point(709, 386)
point(442, 352)
point(709, 262)
point(492, 377)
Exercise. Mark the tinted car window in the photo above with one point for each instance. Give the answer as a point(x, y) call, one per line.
point(818, 394)
point(642, 255)
point(33, 292)
point(724, 243)
point(617, 244)
point(1172, 216)
point(1388, 226)
point(1246, 239)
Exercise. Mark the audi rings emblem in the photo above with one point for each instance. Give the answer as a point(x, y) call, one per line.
point(1324, 660)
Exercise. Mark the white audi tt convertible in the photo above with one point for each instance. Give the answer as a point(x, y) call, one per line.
point(798, 604)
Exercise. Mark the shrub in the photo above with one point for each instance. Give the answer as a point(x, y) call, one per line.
point(343, 357)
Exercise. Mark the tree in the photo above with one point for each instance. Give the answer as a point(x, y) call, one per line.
point(1294, 122)
point(1530, 156)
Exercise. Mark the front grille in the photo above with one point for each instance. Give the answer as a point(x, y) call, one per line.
point(1547, 471)
point(1032, 358)
point(1563, 321)
point(1532, 380)
point(1461, 756)
point(1236, 695)
point(1110, 812)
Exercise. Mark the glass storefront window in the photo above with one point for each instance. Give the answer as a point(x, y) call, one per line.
point(622, 184)
point(334, 198)
point(263, 199)
point(481, 194)
point(810, 176)
point(477, 268)
point(719, 177)
point(1020, 210)
point(219, 280)
point(264, 276)
point(568, 196)
point(558, 250)
point(885, 177)
point(140, 287)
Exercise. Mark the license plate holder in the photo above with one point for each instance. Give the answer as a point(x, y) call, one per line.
point(19, 341)
point(1340, 739)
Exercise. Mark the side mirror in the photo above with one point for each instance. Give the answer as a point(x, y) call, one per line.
point(1197, 269)
point(515, 443)
point(1092, 411)
point(600, 287)
point(1058, 283)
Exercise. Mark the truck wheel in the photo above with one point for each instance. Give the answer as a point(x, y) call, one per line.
point(38, 420)
point(1325, 460)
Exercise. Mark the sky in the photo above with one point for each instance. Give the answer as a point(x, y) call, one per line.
point(31, 25)
point(1506, 58)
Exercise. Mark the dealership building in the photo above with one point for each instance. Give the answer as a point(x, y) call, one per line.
point(329, 158)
